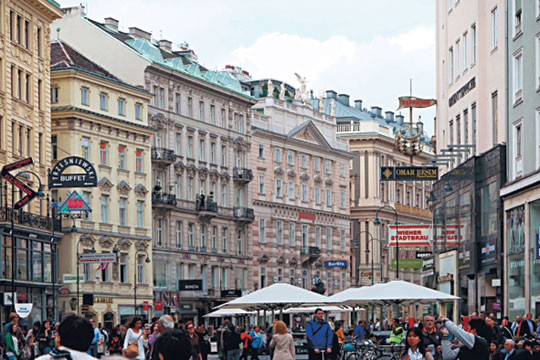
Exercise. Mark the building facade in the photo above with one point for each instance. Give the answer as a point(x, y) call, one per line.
point(300, 196)
point(25, 130)
point(105, 121)
point(200, 159)
point(521, 194)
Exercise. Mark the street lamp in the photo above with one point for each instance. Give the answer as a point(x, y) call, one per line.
point(357, 241)
point(93, 251)
point(378, 222)
point(135, 276)
point(372, 256)
point(40, 194)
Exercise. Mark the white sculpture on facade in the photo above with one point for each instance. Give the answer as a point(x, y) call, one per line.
point(282, 92)
point(301, 93)
point(333, 108)
point(270, 87)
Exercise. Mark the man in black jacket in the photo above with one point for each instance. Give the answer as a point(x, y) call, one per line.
point(431, 336)
point(173, 345)
point(474, 345)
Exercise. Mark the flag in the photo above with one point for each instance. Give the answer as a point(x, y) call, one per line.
point(103, 266)
point(414, 102)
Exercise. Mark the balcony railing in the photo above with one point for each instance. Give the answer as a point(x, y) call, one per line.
point(163, 155)
point(159, 198)
point(244, 214)
point(242, 175)
point(26, 218)
point(311, 251)
point(210, 206)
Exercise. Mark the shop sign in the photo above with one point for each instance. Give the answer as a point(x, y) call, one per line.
point(74, 202)
point(145, 305)
point(72, 278)
point(423, 254)
point(27, 190)
point(23, 310)
point(170, 298)
point(497, 305)
point(488, 254)
point(407, 263)
point(186, 307)
point(410, 235)
point(409, 173)
point(97, 258)
point(158, 305)
point(190, 285)
point(451, 234)
point(460, 173)
point(464, 90)
point(307, 216)
point(231, 293)
point(57, 179)
point(428, 264)
point(335, 263)
point(103, 300)
point(464, 259)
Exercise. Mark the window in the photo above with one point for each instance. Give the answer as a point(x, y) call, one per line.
point(291, 234)
point(494, 30)
point(261, 184)
point(38, 40)
point(190, 147)
point(177, 103)
point(466, 126)
point(290, 157)
point(262, 230)
point(304, 193)
point(123, 268)
point(103, 153)
point(239, 158)
point(224, 195)
point(19, 30)
point(317, 195)
point(54, 95)
point(278, 188)
point(305, 234)
point(263, 277)
point(105, 209)
point(138, 111)
point(344, 280)
point(223, 118)
point(19, 83)
point(465, 52)
point(178, 144)
point(159, 232)
point(190, 189)
point(328, 197)
point(54, 147)
point(85, 148)
point(343, 242)
point(290, 188)
point(139, 161)
point(327, 166)
point(517, 17)
point(342, 199)
point(451, 131)
point(213, 153)
point(458, 128)
point(203, 237)
point(190, 107)
point(140, 214)
point(304, 161)
point(292, 277)
point(494, 116)
point(121, 107)
point(473, 44)
point(223, 155)
point(318, 236)
point(342, 170)
point(103, 101)
point(457, 58)
point(155, 98)
point(122, 212)
point(317, 164)
point(450, 65)
point(537, 60)
point(279, 232)
point(235, 122)
point(329, 239)
point(224, 239)
point(261, 150)
point(191, 239)
point(278, 155)
point(202, 156)
point(27, 88)
point(212, 114)
point(213, 239)
point(518, 76)
point(473, 123)
point(161, 98)
point(178, 187)
point(122, 157)
point(84, 96)
point(201, 111)
point(140, 269)
point(240, 242)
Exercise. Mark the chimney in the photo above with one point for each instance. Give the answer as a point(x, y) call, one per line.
point(74, 11)
point(358, 104)
point(344, 99)
point(111, 23)
point(141, 34)
point(165, 44)
point(377, 111)
point(331, 94)
point(389, 116)
point(399, 119)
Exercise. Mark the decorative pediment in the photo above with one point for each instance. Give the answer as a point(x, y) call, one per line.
point(263, 258)
point(159, 121)
point(317, 179)
point(191, 169)
point(239, 142)
point(203, 172)
point(124, 244)
point(328, 181)
point(304, 176)
point(291, 173)
point(141, 245)
point(179, 165)
point(309, 132)
point(105, 242)
point(293, 261)
point(123, 187)
point(225, 176)
point(278, 170)
point(105, 184)
point(214, 174)
point(87, 240)
point(280, 260)
point(140, 190)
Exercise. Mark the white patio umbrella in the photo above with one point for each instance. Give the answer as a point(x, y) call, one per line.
point(228, 312)
point(311, 309)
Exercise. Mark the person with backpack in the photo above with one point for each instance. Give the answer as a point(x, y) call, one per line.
point(246, 343)
point(115, 341)
point(319, 336)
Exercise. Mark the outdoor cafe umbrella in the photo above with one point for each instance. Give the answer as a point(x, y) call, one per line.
point(228, 312)
point(278, 296)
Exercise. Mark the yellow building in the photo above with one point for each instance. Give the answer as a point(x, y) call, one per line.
point(104, 120)
point(25, 132)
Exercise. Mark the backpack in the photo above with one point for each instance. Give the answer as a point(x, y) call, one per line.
point(115, 343)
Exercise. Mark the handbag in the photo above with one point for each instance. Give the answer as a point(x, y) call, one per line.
point(132, 350)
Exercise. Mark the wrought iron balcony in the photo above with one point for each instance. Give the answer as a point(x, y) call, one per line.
point(313, 252)
point(243, 214)
point(34, 220)
point(159, 198)
point(161, 155)
point(207, 209)
point(242, 175)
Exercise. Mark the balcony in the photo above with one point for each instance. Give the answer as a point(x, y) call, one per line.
point(242, 175)
point(310, 253)
point(163, 199)
point(244, 215)
point(163, 156)
point(207, 209)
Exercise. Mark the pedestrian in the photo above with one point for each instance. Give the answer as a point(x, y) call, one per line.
point(173, 345)
point(396, 335)
point(319, 336)
point(45, 338)
point(96, 341)
point(102, 345)
point(496, 332)
point(152, 339)
point(358, 333)
point(506, 330)
point(12, 342)
point(493, 350)
point(204, 337)
point(282, 342)
point(75, 335)
point(431, 336)
point(194, 340)
point(232, 343)
point(335, 344)
point(257, 342)
point(414, 347)
point(135, 341)
point(31, 340)
point(221, 332)
point(474, 345)
point(116, 340)
point(339, 332)
point(164, 324)
point(246, 343)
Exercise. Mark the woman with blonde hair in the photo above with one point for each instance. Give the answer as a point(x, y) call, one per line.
point(283, 342)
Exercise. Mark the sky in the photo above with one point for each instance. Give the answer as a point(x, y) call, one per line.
point(369, 49)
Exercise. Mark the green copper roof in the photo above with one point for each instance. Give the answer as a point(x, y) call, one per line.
point(55, 3)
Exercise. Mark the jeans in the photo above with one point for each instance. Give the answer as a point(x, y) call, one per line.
point(11, 356)
point(92, 351)
point(233, 354)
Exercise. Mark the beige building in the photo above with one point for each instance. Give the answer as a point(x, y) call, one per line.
point(25, 131)
point(300, 195)
point(100, 118)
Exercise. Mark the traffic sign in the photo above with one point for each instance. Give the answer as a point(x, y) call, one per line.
point(97, 258)
point(30, 194)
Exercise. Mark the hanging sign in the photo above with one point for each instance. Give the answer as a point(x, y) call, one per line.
point(190, 285)
point(158, 305)
point(74, 202)
point(410, 173)
point(97, 258)
point(414, 102)
point(23, 310)
point(57, 178)
point(27, 190)
point(410, 235)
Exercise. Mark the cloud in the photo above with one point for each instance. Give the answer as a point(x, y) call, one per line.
point(377, 70)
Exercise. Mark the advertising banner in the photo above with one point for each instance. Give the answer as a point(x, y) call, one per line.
point(410, 235)
point(408, 263)
point(23, 310)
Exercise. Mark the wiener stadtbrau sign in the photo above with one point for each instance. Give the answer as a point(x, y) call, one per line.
point(57, 178)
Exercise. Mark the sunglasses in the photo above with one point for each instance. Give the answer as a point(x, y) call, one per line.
point(190, 327)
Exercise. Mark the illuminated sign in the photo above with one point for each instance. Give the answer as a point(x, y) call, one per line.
point(414, 102)
point(416, 173)
point(74, 202)
point(57, 178)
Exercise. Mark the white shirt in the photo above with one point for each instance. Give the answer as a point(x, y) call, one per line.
point(75, 355)
point(131, 337)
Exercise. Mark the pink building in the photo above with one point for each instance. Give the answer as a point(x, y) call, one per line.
point(300, 195)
